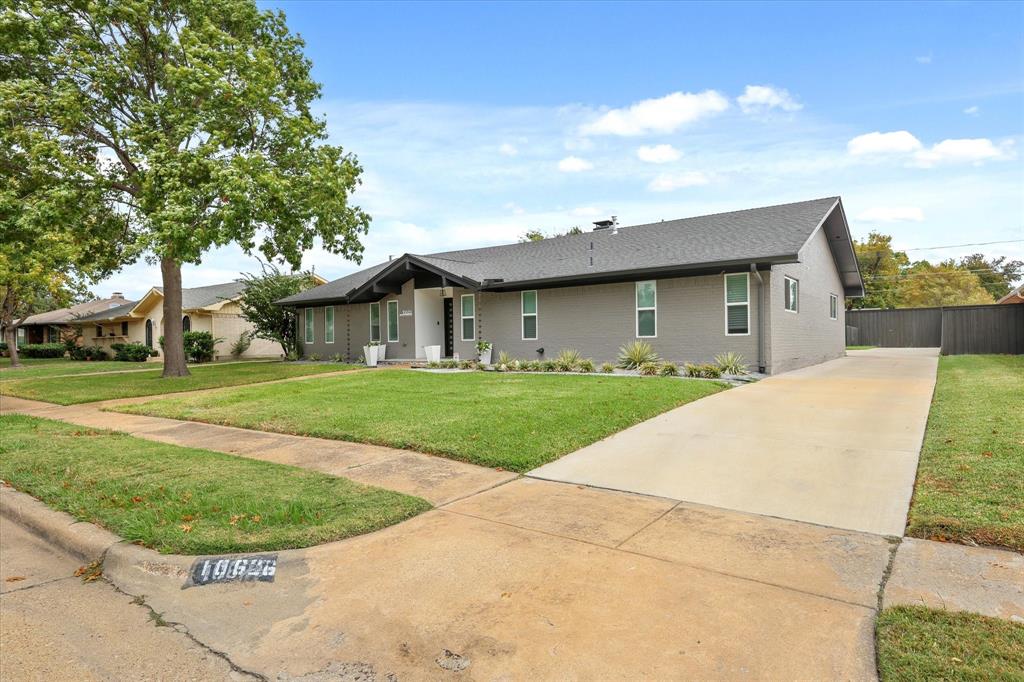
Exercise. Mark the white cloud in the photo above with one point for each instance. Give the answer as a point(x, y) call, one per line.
point(899, 142)
point(974, 151)
point(515, 208)
point(574, 164)
point(757, 99)
point(972, 111)
point(666, 182)
point(659, 153)
point(892, 214)
point(507, 149)
point(661, 115)
point(924, 59)
point(586, 211)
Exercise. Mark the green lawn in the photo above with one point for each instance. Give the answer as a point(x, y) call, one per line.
point(513, 421)
point(35, 368)
point(916, 643)
point(970, 481)
point(860, 347)
point(72, 390)
point(188, 501)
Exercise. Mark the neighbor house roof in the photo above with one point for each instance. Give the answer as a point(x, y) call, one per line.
point(1015, 296)
point(194, 298)
point(773, 234)
point(77, 312)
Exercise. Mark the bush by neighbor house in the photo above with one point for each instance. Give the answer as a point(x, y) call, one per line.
point(132, 352)
point(43, 350)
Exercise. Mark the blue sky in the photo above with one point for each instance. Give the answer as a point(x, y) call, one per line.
point(477, 122)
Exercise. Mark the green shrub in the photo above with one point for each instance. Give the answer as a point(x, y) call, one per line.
point(131, 352)
point(567, 359)
point(607, 367)
point(504, 358)
point(239, 347)
point(291, 356)
point(43, 350)
point(467, 364)
point(314, 357)
point(635, 354)
point(669, 369)
point(649, 369)
point(731, 363)
point(450, 364)
point(529, 366)
point(586, 366)
point(705, 371)
point(434, 365)
point(548, 366)
point(199, 346)
point(337, 357)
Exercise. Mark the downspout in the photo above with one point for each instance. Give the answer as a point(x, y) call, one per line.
point(760, 318)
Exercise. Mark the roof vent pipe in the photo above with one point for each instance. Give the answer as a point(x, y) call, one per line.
point(117, 294)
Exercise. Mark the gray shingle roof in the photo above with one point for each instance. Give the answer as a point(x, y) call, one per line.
point(191, 299)
point(109, 313)
point(757, 234)
point(76, 312)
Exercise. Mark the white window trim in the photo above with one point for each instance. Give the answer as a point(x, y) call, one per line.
point(308, 330)
point(785, 283)
point(535, 315)
point(637, 309)
point(463, 317)
point(388, 309)
point(379, 322)
point(725, 297)
point(833, 311)
point(333, 316)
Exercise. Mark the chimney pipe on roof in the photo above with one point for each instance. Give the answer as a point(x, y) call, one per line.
point(117, 294)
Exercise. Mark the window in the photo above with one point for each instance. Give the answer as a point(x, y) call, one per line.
point(309, 325)
point(329, 324)
point(21, 336)
point(737, 304)
point(528, 305)
point(646, 309)
point(186, 324)
point(792, 294)
point(149, 333)
point(392, 321)
point(375, 322)
point(124, 329)
point(468, 317)
point(52, 335)
point(833, 307)
point(99, 331)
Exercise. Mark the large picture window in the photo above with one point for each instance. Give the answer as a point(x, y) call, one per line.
point(737, 304)
point(375, 322)
point(392, 321)
point(792, 294)
point(468, 302)
point(329, 324)
point(529, 307)
point(646, 309)
point(309, 325)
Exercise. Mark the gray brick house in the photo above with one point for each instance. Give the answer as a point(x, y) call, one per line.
point(768, 283)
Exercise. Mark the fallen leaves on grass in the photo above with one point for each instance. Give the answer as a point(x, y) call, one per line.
point(14, 578)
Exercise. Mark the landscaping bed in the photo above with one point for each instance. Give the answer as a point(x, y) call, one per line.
point(184, 500)
point(970, 480)
point(73, 390)
point(512, 421)
point(918, 643)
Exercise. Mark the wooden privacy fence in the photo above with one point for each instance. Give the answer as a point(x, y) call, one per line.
point(960, 330)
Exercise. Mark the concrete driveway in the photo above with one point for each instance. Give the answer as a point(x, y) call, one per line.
point(835, 444)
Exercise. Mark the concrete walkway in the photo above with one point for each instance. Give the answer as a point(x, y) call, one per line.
point(834, 444)
point(435, 479)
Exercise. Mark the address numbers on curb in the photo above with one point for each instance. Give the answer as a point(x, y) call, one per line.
point(209, 570)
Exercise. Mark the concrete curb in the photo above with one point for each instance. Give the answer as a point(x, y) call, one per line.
point(82, 539)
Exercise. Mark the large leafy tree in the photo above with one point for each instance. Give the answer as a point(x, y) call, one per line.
point(881, 268)
point(926, 285)
point(197, 115)
point(998, 275)
point(270, 321)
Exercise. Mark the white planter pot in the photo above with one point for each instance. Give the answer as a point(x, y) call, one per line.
point(381, 351)
point(485, 356)
point(433, 353)
point(370, 354)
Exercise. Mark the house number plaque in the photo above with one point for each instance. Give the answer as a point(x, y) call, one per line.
point(209, 570)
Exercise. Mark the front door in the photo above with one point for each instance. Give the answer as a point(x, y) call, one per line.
point(449, 328)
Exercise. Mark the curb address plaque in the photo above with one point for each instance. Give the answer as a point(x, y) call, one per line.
point(209, 570)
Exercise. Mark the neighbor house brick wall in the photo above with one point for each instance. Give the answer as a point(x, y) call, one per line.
point(808, 336)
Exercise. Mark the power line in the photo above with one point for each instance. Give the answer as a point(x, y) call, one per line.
point(957, 246)
point(943, 273)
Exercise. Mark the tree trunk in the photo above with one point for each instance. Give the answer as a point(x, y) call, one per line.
point(174, 346)
point(12, 344)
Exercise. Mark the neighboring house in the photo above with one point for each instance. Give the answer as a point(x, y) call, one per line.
point(52, 326)
point(767, 283)
point(212, 309)
point(1015, 296)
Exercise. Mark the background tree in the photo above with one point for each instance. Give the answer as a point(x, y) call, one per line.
point(273, 322)
point(537, 235)
point(197, 115)
point(998, 275)
point(881, 268)
point(925, 285)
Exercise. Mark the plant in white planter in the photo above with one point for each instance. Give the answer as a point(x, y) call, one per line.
point(483, 349)
point(433, 353)
point(382, 349)
point(370, 353)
